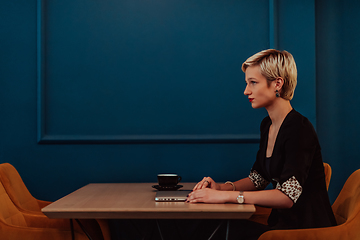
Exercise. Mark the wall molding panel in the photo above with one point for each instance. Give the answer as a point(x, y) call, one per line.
point(52, 121)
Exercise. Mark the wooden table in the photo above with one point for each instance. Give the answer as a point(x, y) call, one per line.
point(136, 201)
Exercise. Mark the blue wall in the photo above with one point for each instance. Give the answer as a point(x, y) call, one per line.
point(119, 91)
point(338, 100)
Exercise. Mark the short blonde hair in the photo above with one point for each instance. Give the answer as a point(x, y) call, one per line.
point(273, 64)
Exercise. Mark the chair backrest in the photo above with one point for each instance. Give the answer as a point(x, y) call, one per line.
point(347, 204)
point(16, 189)
point(328, 172)
point(8, 212)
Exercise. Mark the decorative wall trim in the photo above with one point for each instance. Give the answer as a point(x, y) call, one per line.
point(128, 139)
point(44, 138)
point(273, 24)
point(40, 70)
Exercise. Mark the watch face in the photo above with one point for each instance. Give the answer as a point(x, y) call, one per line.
point(240, 199)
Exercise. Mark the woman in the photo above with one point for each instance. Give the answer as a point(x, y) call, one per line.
point(289, 155)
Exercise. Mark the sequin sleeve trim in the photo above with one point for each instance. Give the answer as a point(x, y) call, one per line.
point(259, 182)
point(291, 188)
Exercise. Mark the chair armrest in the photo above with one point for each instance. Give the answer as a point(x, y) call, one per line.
point(104, 226)
point(327, 233)
point(42, 221)
point(28, 233)
point(42, 203)
point(261, 215)
point(98, 229)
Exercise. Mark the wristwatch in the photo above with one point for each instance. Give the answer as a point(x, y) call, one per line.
point(240, 199)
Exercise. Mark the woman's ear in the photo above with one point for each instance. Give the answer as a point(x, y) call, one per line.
point(279, 82)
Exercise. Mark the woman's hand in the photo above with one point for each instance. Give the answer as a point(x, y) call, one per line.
point(206, 182)
point(207, 195)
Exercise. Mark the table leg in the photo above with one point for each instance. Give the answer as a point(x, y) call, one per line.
point(83, 228)
point(72, 229)
point(216, 230)
point(227, 229)
point(147, 233)
point(158, 226)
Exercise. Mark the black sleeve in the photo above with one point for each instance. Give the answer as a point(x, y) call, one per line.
point(299, 146)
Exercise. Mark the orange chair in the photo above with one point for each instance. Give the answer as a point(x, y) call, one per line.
point(17, 225)
point(346, 209)
point(27, 204)
point(262, 213)
point(17, 190)
point(328, 172)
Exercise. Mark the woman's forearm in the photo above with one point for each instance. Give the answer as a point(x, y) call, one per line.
point(244, 184)
point(267, 198)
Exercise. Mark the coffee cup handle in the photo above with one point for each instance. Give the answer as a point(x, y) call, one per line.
point(179, 179)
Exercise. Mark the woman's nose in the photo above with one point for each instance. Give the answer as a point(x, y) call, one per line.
point(246, 91)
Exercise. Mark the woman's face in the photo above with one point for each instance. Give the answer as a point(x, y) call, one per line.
point(257, 89)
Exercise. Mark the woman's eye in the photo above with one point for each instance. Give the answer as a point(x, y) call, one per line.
point(253, 82)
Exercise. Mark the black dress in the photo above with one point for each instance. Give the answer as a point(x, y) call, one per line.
point(295, 168)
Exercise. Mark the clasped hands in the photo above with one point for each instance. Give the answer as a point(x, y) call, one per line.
point(207, 191)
